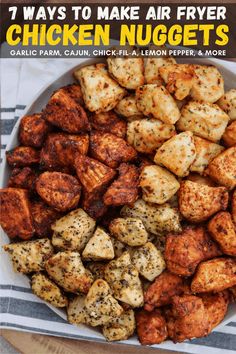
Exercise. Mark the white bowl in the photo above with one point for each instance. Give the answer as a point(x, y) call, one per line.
point(228, 70)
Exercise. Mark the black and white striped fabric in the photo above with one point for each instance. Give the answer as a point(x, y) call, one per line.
point(20, 309)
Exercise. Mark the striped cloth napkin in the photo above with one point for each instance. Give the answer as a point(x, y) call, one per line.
point(20, 309)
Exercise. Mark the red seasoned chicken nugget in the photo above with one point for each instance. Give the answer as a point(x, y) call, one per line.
point(43, 217)
point(74, 91)
point(110, 149)
point(93, 175)
point(33, 130)
point(124, 190)
point(59, 190)
point(22, 156)
point(216, 306)
point(65, 113)
point(15, 217)
point(60, 149)
point(187, 318)
point(161, 291)
point(184, 251)
point(93, 204)
point(108, 122)
point(23, 178)
point(151, 327)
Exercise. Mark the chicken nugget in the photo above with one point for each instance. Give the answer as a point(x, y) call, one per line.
point(33, 130)
point(59, 190)
point(108, 122)
point(151, 327)
point(75, 92)
point(183, 252)
point(43, 217)
point(229, 136)
point(93, 204)
point(228, 103)
point(22, 156)
point(15, 218)
point(124, 190)
point(23, 178)
point(216, 306)
point(110, 149)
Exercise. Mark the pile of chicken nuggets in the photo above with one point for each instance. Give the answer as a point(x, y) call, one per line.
point(121, 204)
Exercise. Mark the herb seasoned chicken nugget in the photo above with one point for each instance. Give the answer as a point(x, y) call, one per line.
point(60, 149)
point(198, 202)
point(101, 306)
point(222, 229)
point(100, 92)
point(67, 270)
point(228, 103)
point(222, 169)
point(152, 69)
point(75, 92)
point(33, 130)
point(183, 252)
point(59, 190)
point(22, 156)
point(208, 85)
point(156, 101)
point(29, 256)
point(151, 327)
point(161, 291)
point(99, 247)
point(215, 275)
point(124, 190)
point(206, 120)
point(108, 122)
point(48, 291)
point(229, 136)
point(127, 108)
point(157, 219)
point(72, 231)
point(216, 306)
point(93, 175)
point(128, 72)
point(23, 178)
point(146, 135)
point(124, 281)
point(179, 79)
point(158, 185)
point(15, 216)
point(149, 261)
point(110, 149)
point(120, 328)
point(177, 154)
point(205, 153)
point(187, 318)
point(43, 217)
point(129, 230)
point(65, 113)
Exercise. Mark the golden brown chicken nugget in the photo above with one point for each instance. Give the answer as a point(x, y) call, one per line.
point(215, 275)
point(187, 318)
point(222, 229)
point(33, 130)
point(198, 202)
point(233, 207)
point(59, 190)
point(75, 92)
point(108, 122)
point(65, 113)
point(229, 136)
point(15, 217)
point(183, 252)
point(93, 175)
point(93, 204)
point(124, 190)
point(60, 149)
point(151, 327)
point(23, 178)
point(161, 291)
point(22, 156)
point(222, 169)
point(216, 306)
point(43, 217)
point(110, 149)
